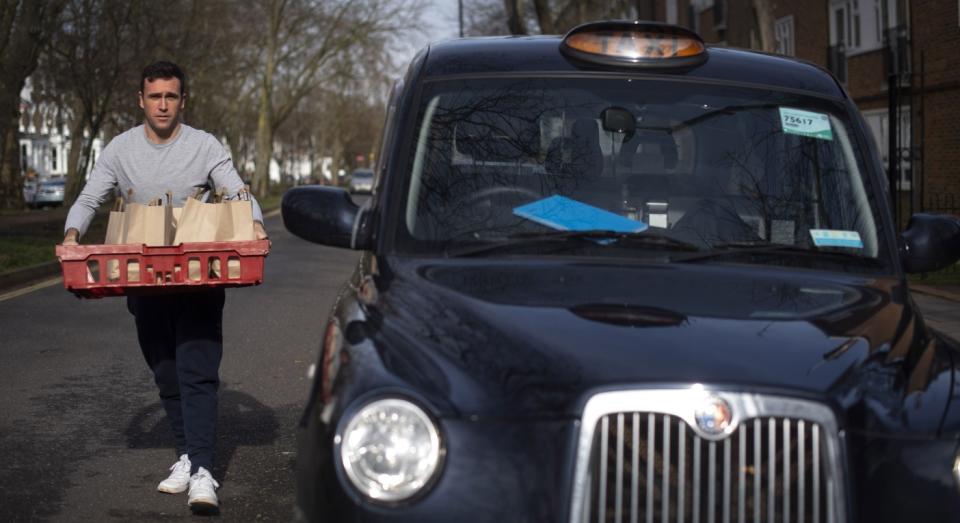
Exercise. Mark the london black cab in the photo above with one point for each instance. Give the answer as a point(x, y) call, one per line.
point(621, 276)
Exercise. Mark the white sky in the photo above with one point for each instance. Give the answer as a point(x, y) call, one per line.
point(440, 22)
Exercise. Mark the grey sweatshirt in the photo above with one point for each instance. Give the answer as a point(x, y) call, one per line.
point(194, 158)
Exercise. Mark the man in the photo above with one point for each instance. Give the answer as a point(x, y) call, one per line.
point(179, 334)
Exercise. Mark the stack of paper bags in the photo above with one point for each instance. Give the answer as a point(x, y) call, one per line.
point(158, 223)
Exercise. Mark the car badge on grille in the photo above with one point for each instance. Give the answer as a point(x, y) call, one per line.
point(713, 416)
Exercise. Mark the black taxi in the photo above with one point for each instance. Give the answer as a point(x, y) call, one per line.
point(619, 275)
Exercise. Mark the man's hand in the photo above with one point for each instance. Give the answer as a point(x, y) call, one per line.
point(259, 231)
point(70, 238)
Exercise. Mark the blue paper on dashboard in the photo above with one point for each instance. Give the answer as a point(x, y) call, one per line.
point(562, 213)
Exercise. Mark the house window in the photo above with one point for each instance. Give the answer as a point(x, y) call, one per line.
point(672, 11)
point(878, 123)
point(783, 35)
point(53, 158)
point(694, 15)
point(720, 14)
point(858, 26)
point(23, 157)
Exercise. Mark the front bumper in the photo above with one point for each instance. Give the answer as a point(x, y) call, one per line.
point(494, 471)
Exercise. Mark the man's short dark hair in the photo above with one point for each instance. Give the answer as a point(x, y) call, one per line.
point(163, 69)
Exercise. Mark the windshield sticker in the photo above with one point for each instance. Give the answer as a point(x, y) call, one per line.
point(831, 238)
point(805, 123)
point(565, 214)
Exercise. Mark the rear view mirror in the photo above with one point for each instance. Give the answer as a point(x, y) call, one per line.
point(618, 120)
point(326, 215)
point(931, 242)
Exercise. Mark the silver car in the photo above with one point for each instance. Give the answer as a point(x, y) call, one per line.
point(29, 191)
point(361, 181)
point(48, 192)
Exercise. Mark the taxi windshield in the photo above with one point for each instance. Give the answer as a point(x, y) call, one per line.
point(520, 165)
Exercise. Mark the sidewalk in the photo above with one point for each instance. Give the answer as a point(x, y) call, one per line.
point(940, 307)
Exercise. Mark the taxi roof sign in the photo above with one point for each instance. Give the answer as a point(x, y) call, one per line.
point(634, 44)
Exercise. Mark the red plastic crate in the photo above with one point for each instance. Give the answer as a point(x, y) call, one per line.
point(97, 271)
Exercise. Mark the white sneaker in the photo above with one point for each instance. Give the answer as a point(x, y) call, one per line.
point(203, 492)
point(179, 478)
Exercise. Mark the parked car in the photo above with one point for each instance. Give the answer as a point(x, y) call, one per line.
point(361, 181)
point(620, 276)
point(47, 192)
point(29, 190)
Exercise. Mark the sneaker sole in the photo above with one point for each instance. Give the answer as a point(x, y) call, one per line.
point(202, 506)
point(171, 490)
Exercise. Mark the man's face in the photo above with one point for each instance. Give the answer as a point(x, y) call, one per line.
point(161, 103)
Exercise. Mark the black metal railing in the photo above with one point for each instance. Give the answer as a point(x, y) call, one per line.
point(943, 203)
point(837, 61)
point(896, 43)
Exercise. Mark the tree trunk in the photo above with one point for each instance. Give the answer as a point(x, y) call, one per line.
point(75, 180)
point(764, 25)
point(261, 175)
point(34, 21)
point(514, 10)
point(544, 16)
point(338, 163)
point(11, 180)
point(265, 123)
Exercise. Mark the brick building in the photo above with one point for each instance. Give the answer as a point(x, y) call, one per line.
point(869, 45)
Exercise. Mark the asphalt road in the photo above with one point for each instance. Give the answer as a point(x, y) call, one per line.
point(82, 434)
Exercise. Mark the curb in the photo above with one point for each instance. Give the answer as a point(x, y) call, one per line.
point(936, 292)
point(20, 277)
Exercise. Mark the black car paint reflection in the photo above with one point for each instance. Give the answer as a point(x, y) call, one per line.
point(504, 351)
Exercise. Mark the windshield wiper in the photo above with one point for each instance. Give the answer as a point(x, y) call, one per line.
point(737, 248)
point(727, 110)
point(594, 236)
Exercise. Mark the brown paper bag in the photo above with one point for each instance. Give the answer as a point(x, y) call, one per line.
point(116, 224)
point(236, 221)
point(199, 222)
point(148, 224)
point(175, 219)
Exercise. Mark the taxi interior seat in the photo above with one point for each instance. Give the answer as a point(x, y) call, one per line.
point(575, 166)
point(579, 155)
point(719, 210)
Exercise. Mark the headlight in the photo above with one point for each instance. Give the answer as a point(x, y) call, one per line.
point(390, 449)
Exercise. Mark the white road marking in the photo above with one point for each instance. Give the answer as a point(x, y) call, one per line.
point(35, 287)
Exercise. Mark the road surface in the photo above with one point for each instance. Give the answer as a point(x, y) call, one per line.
point(82, 433)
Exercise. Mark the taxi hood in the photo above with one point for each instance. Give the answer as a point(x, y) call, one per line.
point(526, 339)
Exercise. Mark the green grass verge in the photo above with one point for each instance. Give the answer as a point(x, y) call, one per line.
point(23, 251)
point(270, 201)
point(35, 243)
point(950, 276)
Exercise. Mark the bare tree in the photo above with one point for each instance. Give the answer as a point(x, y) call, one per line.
point(559, 16)
point(25, 27)
point(91, 58)
point(301, 39)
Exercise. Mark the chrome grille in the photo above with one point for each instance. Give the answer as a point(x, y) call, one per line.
point(641, 458)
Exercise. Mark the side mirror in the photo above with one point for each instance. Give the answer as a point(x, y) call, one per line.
point(931, 242)
point(326, 215)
